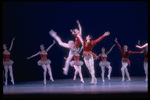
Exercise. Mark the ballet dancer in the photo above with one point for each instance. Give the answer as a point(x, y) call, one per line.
point(44, 62)
point(143, 46)
point(125, 61)
point(88, 54)
point(7, 62)
point(104, 63)
point(145, 60)
point(77, 63)
point(73, 46)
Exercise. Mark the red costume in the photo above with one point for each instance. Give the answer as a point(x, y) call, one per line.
point(6, 60)
point(145, 55)
point(125, 54)
point(87, 50)
point(77, 41)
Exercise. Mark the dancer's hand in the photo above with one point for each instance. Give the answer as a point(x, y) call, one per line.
point(27, 58)
point(72, 31)
point(106, 33)
point(116, 40)
point(78, 21)
point(138, 41)
point(13, 39)
point(65, 58)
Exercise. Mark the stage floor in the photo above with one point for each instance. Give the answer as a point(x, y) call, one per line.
point(69, 86)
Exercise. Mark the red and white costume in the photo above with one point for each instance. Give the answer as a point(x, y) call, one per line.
point(6, 60)
point(88, 56)
point(104, 63)
point(44, 60)
point(125, 61)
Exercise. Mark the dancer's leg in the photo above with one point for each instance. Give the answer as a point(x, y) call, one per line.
point(146, 70)
point(124, 65)
point(127, 74)
point(103, 72)
point(109, 72)
point(50, 72)
point(11, 74)
point(80, 74)
point(6, 73)
point(44, 73)
point(58, 39)
point(76, 72)
point(66, 67)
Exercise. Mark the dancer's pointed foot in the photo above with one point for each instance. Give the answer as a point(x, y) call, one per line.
point(108, 77)
point(6, 83)
point(95, 81)
point(12, 82)
point(146, 79)
point(52, 79)
point(82, 80)
point(123, 79)
point(65, 71)
point(74, 78)
point(44, 81)
point(103, 80)
point(128, 80)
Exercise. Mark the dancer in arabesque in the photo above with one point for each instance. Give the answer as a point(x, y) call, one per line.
point(104, 63)
point(73, 46)
point(7, 62)
point(44, 62)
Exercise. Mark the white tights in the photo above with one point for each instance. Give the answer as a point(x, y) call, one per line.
point(45, 67)
point(124, 71)
point(6, 73)
point(78, 70)
point(103, 72)
point(146, 70)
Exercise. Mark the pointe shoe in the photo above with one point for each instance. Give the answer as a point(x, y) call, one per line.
point(108, 77)
point(128, 80)
point(52, 33)
point(52, 79)
point(44, 81)
point(103, 80)
point(146, 79)
point(123, 79)
point(5, 83)
point(65, 71)
point(12, 82)
point(74, 78)
point(82, 80)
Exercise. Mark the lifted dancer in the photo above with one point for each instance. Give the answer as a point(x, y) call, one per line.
point(125, 61)
point(7, 62)
point(44, 62)
point(145, 60)
point(88, 54)
point(104, 63)
point(73, 46)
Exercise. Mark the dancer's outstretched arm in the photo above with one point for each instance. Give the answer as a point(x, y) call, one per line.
point(110, 49)
point(11, 44)
point(33, 55)
point(50, 46)
point(58, 39)
point(119, 45)
point(143, 46)
point(80, 28)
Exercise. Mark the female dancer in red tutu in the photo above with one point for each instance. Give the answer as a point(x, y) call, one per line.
point(88, 54)
point(104, 63)
point(125, 61)
point(44, 62)
point(7, 62)
point(71, 44)
point(145, 60)
point(77, 63)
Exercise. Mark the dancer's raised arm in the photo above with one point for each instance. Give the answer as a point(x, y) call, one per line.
point(143, 46)
point(110, 49)
point(50, 46)
point(100, 38)
point(11, 44)
point(119, 45)
point(33, 55)
point(80, 28)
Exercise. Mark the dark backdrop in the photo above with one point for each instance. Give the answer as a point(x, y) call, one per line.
point(30, 23)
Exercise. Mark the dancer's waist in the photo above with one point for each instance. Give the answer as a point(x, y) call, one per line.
point(145, 59)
